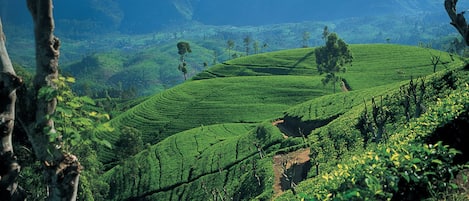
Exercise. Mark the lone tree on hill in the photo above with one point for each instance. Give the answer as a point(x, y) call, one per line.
point(332, 58)
point(230, 44)
point(255, 46)
point(305, 41)
point(183, 49)
point(247, 43)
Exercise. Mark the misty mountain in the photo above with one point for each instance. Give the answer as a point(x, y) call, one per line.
point(145, 16)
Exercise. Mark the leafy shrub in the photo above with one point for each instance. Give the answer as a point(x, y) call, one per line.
point(404, 169)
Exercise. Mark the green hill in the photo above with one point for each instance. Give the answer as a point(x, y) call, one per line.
point(215, 101)
point(213, 137)
point(150, 69)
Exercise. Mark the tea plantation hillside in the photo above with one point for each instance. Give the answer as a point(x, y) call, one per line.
point(214, 101)
point(147, 70)
point(424, 158)
point(217, 136)
point(383, 63)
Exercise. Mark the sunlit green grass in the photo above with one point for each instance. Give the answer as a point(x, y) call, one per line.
point(381, 64)
point(199, 160)
point(233, 97)
point(214, 101)
point(373, 65)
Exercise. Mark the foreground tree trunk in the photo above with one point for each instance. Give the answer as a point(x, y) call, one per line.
point(62, 169)
point(9, 168)
point(457, 19)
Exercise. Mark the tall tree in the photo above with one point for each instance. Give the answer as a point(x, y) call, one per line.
point(61, 169)
point(183, 49)
point(306, 37)
point(332, 58)
point(255, 46)
point(9, 167)
point(457, 19)
point(247, 43)
point(230, 44)
point(325, 33)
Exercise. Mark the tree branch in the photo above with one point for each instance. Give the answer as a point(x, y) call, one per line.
point(457, 19)
point(9, 168)
point(62, 170)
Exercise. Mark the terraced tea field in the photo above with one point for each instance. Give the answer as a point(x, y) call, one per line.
point(212, 137)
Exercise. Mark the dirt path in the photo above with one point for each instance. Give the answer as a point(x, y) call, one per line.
point(285, 161)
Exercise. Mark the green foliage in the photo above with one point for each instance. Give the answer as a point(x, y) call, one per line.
point(405, 168)
point(172, 169)
point(247, 43)
point(332, 58)
point(209, 161)
point(306, 37)
point(32, 180)
point(183, 49)
point(91, 187)
point(206, 102)
point(398, 171)
point(76, 126)
point(373, 65)
point(230, 44)
point(129, 143)
point(372, 126)
point(146, 69)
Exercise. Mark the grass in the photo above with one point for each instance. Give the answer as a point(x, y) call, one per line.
point(200, 160)
point(206, 133)
point(392, 63)
point(328, 106)
point(151, 69)
point(214, 101)
point(154, 69)
point(373, 65)
point(340, 144)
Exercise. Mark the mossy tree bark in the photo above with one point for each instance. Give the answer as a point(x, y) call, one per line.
point(62, 169)
point(9, 167)
point(457, 19)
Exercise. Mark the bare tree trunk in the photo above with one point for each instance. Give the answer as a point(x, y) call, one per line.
point(457, 19)
point(62, 170)
point(9, 168)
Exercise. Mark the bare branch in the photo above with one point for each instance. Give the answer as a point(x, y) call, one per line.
point(457, 19)
point(9, 168)
point(61, 169)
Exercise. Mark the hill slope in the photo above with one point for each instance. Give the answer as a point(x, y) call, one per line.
point(231, 113)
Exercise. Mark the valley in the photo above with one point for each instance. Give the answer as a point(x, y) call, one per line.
point(222, 100)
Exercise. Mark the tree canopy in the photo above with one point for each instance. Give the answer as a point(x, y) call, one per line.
point(183, 49)
point(332, 58)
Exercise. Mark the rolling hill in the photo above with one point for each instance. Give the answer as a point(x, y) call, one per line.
point(215, 137)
